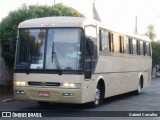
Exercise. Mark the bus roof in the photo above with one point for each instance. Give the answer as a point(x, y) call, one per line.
point(141, 37)
point(57, 21)
point(68, 21)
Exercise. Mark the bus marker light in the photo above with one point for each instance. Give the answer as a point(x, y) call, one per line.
point(68, 94)
point(20, 92)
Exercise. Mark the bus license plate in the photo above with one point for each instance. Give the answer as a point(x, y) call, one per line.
point(43, 94)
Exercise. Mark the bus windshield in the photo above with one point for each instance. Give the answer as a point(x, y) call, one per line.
point(50, 49)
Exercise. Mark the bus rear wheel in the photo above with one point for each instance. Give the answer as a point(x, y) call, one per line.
point(139, 88)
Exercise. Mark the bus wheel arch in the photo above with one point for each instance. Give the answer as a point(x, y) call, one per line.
point(99, 93)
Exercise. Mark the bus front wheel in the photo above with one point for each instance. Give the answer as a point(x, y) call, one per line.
point(98, 97)
point(139, 88)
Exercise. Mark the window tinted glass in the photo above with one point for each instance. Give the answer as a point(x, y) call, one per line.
point(134, 44)
point(141, 48)
point(104, 40)
point(116, 42)
point(126, 44)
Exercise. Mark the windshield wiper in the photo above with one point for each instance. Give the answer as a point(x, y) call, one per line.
point(54, 56)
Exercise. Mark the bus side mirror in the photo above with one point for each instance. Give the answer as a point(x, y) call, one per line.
point(89, 46)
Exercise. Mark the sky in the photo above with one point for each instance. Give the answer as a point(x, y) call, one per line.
point(118, 14)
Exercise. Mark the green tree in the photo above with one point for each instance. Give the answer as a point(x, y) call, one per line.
point(155, 53)
point(9, 25)
point(151, 33)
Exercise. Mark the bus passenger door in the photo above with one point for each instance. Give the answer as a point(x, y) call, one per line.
point(89, 67)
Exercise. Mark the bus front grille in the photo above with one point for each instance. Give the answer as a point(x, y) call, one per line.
point(44, 84)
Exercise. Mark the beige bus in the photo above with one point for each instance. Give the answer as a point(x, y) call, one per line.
point(75, 60)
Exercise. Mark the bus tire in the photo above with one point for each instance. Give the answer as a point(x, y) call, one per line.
point(43, 104)
point(98, 97)
point(139, 88)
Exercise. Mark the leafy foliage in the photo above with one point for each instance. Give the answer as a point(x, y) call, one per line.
point(151, 33)
point(9, 25)
point(155, 53)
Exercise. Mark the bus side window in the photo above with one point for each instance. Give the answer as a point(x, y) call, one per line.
point(130, 46)
point(126, 45)
point(138, 47)
point(141, 48)
point(135, 49)
point(111, 48)
point(147, 49)
point(104, 41)
point(116, 41)
point(144, 48)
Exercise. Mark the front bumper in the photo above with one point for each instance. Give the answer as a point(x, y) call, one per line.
point(56, 95)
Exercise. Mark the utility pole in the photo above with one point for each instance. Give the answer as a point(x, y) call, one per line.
point(136, 25)
point(54, 2)
point(94, 2)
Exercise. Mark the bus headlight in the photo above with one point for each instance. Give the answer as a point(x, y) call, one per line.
point(19, 83)
point(71, 85)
